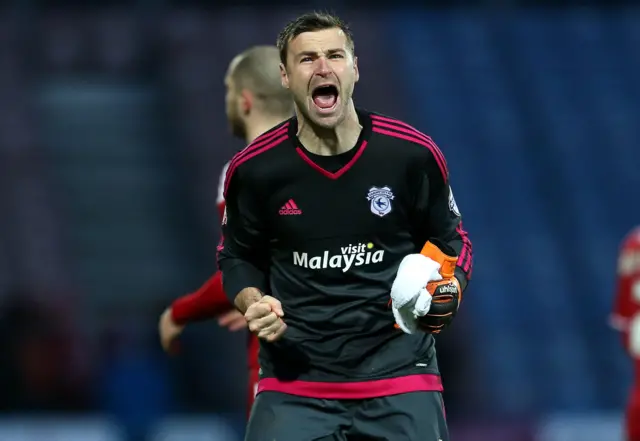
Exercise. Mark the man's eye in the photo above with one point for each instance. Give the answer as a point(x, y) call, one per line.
point(305, 59)
point(335, 56)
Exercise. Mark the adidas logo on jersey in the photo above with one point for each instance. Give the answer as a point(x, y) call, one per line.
point(349, 257)
point(290, 208)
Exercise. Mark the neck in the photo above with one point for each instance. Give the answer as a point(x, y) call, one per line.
point(261, 125)
point(334, 141)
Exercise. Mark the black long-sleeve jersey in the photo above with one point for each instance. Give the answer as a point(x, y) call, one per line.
point(325, 236)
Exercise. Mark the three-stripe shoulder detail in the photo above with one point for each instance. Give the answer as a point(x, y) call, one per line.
point(397, 129)
point(261, 144)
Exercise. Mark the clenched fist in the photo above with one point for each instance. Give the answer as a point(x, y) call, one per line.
point(264, 319)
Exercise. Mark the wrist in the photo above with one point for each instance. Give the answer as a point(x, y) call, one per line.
point(246, 298)
point(177, 313)
point(172, 319)
point(461, 278)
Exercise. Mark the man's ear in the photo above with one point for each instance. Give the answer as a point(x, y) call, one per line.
point(246, 101)
point(355, 68)
point(284, 78)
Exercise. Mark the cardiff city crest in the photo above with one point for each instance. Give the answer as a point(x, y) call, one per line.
point(380, 199)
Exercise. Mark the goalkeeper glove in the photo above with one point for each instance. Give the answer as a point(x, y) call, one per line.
point(409, 296)
point(425, 294)
point(446, 293)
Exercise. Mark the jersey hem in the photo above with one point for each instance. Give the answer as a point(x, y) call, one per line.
point(354, 390)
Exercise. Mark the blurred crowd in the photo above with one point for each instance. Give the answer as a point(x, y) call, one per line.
point(44, 364)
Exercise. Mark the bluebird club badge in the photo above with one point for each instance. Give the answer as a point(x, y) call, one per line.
point(380, 199)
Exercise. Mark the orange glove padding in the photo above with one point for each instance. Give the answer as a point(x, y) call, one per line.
point(446, 293)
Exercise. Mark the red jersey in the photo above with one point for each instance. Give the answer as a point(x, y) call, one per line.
point(626, 311)
point(626, 318)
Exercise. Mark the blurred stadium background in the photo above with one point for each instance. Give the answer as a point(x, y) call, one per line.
point(112, 136)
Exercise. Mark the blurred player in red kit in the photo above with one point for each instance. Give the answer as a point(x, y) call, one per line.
point(255, 102)
point(626, 318)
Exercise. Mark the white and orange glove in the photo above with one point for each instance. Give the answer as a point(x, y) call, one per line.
point(425, 294)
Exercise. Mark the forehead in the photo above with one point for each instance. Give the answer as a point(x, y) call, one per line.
point(318, 41)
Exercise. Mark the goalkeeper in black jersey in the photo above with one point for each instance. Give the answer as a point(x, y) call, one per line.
point(343, 245)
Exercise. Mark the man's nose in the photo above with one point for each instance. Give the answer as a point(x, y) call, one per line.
point(322, 66)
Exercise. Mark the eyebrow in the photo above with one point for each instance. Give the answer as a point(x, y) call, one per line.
point(313, 53)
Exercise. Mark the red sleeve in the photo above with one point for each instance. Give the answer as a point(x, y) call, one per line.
point(207, 302)
point(622, 309)
point(627, 297)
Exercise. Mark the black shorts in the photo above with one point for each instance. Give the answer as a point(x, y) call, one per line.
point(415, 416)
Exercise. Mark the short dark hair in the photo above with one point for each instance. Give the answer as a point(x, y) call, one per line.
point(311, 22)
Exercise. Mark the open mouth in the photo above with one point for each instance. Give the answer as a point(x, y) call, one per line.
point(325, 97)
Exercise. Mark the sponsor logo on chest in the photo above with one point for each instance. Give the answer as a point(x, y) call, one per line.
point(349, 256)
